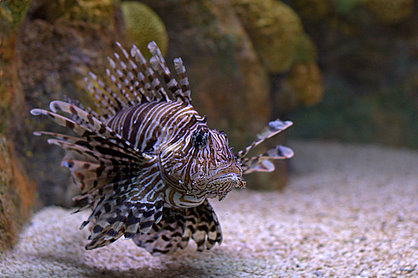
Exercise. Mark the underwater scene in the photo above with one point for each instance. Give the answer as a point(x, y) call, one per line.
point(208, 138)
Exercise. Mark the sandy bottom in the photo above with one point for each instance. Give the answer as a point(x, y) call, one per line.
point(348, 211)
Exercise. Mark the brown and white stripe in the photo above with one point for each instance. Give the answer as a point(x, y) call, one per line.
point(144, 155)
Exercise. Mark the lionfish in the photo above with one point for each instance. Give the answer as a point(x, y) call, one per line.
point(144, 158)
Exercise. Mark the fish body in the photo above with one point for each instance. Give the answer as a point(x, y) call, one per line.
point(145, 159)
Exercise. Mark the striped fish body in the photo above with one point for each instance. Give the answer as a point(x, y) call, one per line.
point(186, 154)
point(146, 161)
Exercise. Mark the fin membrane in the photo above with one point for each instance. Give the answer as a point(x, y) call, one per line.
point(261, 162)
point(178, 226)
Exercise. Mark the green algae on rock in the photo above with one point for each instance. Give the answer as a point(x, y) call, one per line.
point(12, 13)
point(92, 11)
point(51, 10)
point(274, 29)
point(313, 9)
point(302, 86)
point(389, 11)
point(305, 51)
point(143, 25)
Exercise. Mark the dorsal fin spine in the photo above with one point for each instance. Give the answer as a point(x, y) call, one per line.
point(131, 80)
point(183, 80)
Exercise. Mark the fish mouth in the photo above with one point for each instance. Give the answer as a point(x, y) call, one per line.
point(222, 184)
point(218, 181)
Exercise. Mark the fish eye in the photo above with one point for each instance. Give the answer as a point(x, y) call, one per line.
point(200, 138)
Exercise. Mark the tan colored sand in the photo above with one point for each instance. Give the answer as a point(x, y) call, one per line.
point(348, 211)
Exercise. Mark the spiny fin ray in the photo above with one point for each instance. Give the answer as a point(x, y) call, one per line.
point(273, 128)
point(130, 80)
point(126, 211)
point(178, 226)
point(262, 163)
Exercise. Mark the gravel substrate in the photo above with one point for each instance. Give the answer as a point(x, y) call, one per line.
point(348, 211)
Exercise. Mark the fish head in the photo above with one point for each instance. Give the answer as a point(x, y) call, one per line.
point(217, 170)
point(202, 164)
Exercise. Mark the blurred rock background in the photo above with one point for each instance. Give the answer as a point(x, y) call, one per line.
point(342, 70)
point(368, 55)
